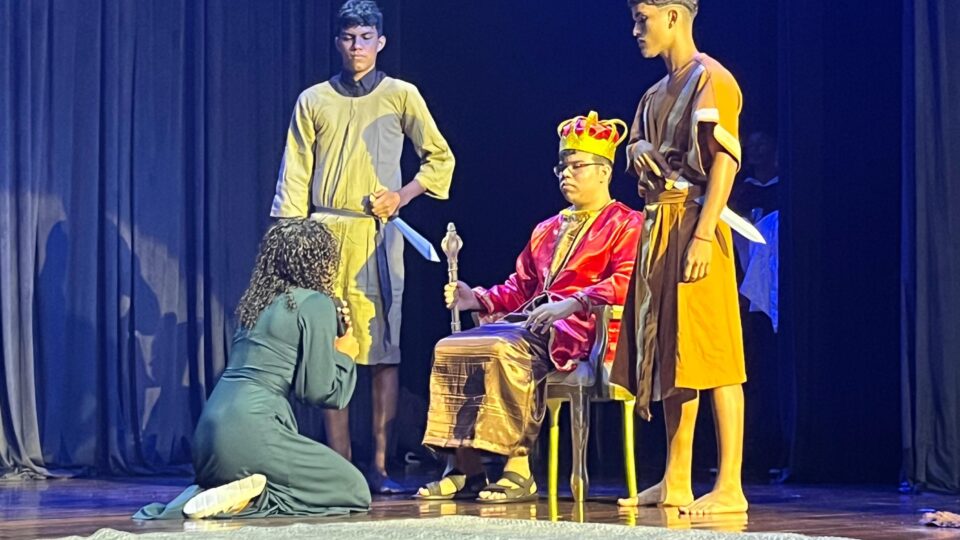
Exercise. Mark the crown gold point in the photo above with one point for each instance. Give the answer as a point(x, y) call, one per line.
point(592, 135)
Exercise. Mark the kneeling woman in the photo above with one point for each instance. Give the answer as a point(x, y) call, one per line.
point(249, 457)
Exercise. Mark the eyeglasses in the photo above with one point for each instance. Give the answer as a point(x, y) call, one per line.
point(560, 168)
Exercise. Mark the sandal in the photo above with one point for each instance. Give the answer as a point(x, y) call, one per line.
point(525, 490)
point(467, 487)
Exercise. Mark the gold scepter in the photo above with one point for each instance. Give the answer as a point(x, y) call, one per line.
point(451, 246)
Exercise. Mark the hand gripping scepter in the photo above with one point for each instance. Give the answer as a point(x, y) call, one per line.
point(451, 246)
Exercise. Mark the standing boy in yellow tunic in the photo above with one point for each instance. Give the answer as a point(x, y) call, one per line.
point(681, 326)
point(341, 166)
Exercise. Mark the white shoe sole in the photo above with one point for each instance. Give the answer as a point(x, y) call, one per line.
point(222, 498)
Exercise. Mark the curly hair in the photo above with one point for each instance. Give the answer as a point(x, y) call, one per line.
point(293, 253)
point(360, 13)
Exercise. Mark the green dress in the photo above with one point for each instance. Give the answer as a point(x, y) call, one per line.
point(247, 425)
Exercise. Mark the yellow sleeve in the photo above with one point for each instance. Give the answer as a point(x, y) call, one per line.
point(436, 158)
point(716, 115)
point(292, 198)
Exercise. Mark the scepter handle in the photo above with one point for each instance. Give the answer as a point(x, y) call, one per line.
point(455, 312)
point(451, 246)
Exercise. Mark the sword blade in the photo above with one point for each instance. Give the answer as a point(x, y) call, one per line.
point(739, 224)
point(419, 243)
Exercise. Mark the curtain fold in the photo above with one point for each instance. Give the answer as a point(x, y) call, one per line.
point(139, 146)
point(930, 291)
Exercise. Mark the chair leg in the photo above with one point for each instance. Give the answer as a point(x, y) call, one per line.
point(629, 452)
point(553, 460)
point(553, 505)
point(579, 433)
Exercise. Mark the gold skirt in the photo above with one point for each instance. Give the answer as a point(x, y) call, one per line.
point(677, 335)
point(487, 389)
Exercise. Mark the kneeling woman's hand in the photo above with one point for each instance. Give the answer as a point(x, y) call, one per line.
point(347, 344)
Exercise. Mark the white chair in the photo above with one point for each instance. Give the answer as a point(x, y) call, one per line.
point(590, 382)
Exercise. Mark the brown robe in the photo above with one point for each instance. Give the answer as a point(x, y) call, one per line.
point(678, 335)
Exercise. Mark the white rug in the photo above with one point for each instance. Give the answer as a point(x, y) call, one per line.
point(453, 527)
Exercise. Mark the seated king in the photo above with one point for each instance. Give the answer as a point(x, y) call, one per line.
point(487, 385)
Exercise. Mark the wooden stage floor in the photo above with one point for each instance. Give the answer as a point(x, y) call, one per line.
point(52, 508)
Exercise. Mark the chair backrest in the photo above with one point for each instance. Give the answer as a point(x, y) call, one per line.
point(605, 350)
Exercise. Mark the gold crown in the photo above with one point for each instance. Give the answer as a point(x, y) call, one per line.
point(590, 134)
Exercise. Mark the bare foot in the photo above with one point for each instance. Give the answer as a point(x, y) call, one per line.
point(659, 495)
point(647, 497)
point(718, 501)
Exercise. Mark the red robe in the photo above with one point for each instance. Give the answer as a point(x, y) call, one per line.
point(597, 273)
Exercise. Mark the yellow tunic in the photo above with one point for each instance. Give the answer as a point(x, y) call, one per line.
point(339, 150)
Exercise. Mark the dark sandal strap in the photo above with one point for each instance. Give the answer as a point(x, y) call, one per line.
point(524, 483)
point(521, 489)
point(459, 480)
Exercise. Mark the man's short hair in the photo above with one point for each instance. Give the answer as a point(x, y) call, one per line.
point(692, 5)
point(360, 13)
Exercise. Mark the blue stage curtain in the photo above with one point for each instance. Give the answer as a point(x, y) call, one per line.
point(139, 144)
point(930, 290)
